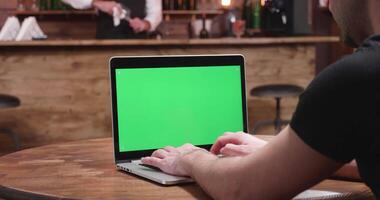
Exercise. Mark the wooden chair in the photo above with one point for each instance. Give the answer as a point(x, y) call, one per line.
point(7, 101)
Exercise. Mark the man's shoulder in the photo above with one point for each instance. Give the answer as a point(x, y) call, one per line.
point(354, 68)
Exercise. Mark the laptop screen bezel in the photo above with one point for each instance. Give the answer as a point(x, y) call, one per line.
point(167, 61)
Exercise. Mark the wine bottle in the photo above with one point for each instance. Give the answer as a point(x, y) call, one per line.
point(204, 33)
point(43, 4)
point(166, 5)
point(185, 5)
point(247, 13)
point(256, 15)
point(172, 4)
point(53, 5)
point(192, 5)
point(179, 4)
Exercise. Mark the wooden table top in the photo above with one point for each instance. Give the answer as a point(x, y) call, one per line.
point(86, 170)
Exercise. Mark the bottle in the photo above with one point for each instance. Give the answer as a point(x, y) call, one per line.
point(179, 4)
point(172, 4)
point(166, 5)
point(247, 13)
point(192, 5)
point(185, 5)
point(256, 15)
point(20, 5)
point(35, 6)
point(53, 5)
point(195, 5)
point(203, 33)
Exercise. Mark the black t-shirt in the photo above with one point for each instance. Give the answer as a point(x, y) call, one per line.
point(338, 115)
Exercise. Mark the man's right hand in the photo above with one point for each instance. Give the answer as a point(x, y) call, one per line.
point(106, 6)
point(237, 144)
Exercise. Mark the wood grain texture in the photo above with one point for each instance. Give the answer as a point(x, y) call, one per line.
point(86, 170)
point(65, 90)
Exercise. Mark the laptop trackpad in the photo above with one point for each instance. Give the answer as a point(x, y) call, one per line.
point(134, 167)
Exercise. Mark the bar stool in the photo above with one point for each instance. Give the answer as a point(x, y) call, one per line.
point(7, 101)
point(276, 91)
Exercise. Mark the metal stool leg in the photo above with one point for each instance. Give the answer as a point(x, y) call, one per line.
point(13, 135)
point(260, 124)
point(277, 120)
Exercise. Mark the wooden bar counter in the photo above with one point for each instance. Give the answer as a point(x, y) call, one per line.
point(64, 85)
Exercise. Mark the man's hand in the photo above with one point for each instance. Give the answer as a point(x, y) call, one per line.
point(237, 144)
point(138, 25)
point(106, 6)
point(168, 159)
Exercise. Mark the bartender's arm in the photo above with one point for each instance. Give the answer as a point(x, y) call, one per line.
point(149, 23)
point(285, 165)
point(152, 19)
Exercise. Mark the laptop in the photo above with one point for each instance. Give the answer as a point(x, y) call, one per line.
point(160, 101)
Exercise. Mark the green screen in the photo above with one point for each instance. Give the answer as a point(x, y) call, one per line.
point(158, 107)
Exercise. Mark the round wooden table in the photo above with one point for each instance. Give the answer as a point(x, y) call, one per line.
point(86, 170)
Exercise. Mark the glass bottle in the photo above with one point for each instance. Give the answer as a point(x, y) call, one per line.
point(35, 5)
point(247, 13)
point(204, 33)
point(256, 15)
point(20, 5)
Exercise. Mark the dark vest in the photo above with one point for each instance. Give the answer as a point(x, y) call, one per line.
point(106, 30)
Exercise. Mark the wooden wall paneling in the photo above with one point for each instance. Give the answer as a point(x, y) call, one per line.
point(8, 4)
point(6, 9)
point(67, 26)
point(65, 91)
point(3, 16)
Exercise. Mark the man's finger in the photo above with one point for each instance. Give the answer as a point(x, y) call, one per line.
point(224, 140)
point(170, 149)
point(228, 133)
point(156, 162)
point(233, 150)
point(160, 153)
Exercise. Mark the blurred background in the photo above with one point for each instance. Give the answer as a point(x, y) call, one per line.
point(54, 56)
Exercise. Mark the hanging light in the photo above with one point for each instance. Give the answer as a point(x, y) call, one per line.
point(263, 2)
point(226, 3)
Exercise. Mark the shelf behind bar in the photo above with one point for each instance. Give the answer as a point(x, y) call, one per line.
point(92, 12)
point(178, 42)
point(192, 12)
point(56, 12)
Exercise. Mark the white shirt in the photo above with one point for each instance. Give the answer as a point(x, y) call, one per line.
point(153, 10)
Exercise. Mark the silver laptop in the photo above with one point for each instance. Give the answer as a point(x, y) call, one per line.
point(160, 101)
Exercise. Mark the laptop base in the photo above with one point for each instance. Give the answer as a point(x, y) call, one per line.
point(134, 167)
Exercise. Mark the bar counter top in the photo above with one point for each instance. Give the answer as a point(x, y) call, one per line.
point(176, 42)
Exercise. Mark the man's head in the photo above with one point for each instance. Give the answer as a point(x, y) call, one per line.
point(353, 18)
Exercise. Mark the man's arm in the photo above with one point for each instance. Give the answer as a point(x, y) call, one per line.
point(242, 144)
point(153, 13)
point(280, 170)
point(151, 21)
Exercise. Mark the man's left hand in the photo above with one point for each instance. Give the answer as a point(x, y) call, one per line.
point(138, 25)
point(169, 158)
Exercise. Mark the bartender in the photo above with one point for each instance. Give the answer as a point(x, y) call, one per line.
point(145, 16)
